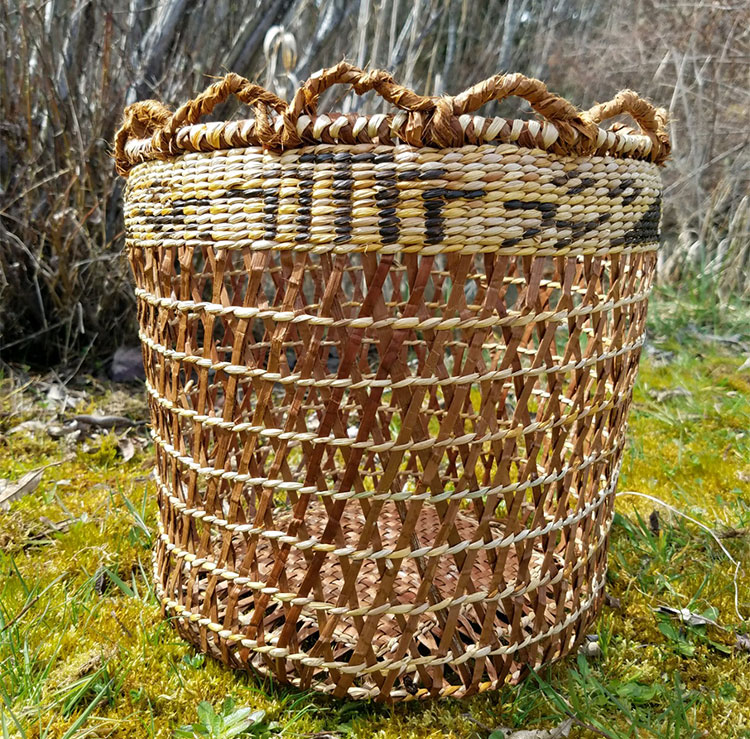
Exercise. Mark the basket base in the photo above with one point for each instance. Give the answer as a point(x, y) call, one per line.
point(414, 644)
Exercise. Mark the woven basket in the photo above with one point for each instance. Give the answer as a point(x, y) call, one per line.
point(389, 364)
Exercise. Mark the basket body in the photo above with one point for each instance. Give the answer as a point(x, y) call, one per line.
point(389, 389)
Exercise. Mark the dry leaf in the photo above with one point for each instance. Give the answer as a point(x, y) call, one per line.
point(686, 616)
point(742, 644)
point(612, 602)
point(13, 491)
point(734, 339)
point(105, 422)
point(675, 392)
point(56, 393)
point(659, 357)
point(559, 732)
point(46, 534)
point(30, 427)
point(57, 526)
point(127, 448)
point(57, 432)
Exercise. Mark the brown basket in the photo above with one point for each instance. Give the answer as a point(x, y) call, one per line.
point(389, 362)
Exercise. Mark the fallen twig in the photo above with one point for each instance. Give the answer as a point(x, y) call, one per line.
point(107, 422)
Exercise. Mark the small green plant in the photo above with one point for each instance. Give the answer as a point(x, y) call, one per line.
point(684, 636)
point(228, 723)
point(194, 660)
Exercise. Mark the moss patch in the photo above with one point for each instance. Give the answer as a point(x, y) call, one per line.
point(83, 647)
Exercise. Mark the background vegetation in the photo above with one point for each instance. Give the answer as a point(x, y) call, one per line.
point(70, 66)
point(84, 651)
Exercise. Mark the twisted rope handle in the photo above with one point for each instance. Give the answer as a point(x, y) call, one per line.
point(652, 121)
point(151, 118)
point(430, 119)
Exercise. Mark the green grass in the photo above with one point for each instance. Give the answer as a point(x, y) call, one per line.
point(84, 650)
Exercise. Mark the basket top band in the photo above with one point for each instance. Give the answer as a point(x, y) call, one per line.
point(151, 131)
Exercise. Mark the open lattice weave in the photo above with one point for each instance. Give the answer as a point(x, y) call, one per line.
point(389, 361)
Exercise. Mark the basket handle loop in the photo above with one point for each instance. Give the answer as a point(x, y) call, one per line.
point(139, 120)
point(305, 101)
point(565, 116)
point(306, 98)
point(151, 118)
point(245, 91)
point(651, 120)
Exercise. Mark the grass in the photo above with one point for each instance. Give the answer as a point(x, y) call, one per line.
point(85, 652)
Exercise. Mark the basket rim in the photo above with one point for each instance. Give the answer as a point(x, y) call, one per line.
point(522, 135)
point(151, 131)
